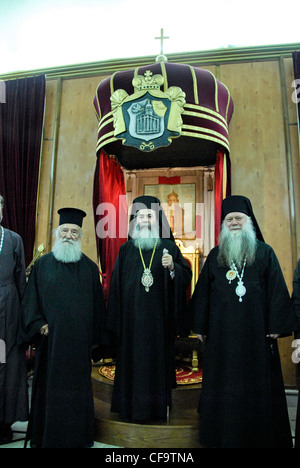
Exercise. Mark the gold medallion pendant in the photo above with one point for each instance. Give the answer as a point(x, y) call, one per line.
point(230, 275)
point(240, 290)
point(233, 273)
point(147, 279)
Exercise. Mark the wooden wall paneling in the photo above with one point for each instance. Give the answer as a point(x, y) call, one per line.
point(289, 162)
point(294, 138)
point(45, 166)
point(75, 157)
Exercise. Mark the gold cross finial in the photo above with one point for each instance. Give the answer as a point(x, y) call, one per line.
point(162, 37)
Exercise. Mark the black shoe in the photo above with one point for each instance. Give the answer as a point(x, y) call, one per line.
point(34, 445)
point(6, 435)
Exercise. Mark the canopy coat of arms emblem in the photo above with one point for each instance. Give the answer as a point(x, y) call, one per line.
point(149, 118)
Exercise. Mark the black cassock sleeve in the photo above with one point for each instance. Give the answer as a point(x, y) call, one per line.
point(200, 302)
point(113, 321)
point(99, 332)
point(19, 272)
point(31, 316)
point(296, 297)
point(281, 319)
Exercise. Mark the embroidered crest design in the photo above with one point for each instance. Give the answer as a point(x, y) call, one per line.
point(149, 118)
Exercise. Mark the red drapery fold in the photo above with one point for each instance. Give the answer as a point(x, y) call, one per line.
point(111, 214)
point(21, 125)
point(296, 62)
point(222, 187)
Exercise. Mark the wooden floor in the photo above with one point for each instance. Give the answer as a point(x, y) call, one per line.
point(180, 432)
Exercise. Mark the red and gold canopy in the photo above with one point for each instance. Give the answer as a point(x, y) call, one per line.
point(163, 115)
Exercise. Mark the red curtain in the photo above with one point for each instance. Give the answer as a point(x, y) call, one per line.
point(111, 214)
point(222, 187)
point(296, 62)
point(21, 126)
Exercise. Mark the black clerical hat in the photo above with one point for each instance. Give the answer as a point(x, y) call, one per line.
point(145, 201)
point(240, 204)
point(71, 216)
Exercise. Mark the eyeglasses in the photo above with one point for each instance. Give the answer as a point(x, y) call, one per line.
point(74, 232)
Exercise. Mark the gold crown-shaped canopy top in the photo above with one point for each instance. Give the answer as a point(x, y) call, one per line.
point(147, 81)
point(163, 114)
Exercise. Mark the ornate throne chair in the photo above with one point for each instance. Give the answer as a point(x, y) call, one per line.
point(189, 349)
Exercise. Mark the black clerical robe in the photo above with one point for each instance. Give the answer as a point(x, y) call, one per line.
point(68, 297)
point(13, 371)
point(296, 305)
point(242, 403)
point(145, 325)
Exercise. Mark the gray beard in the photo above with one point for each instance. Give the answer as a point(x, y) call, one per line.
point(145, 238)
point(235, 246)
point(67, 251)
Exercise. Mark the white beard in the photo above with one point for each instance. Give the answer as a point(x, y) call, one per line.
point(145, 237)
point(235, 246)
point(66, 250)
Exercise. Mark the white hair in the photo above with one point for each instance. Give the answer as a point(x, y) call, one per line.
point(67, 250)
point(146, 238)
point(235, 246)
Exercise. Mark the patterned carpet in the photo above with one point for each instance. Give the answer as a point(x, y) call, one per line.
point(184, 374)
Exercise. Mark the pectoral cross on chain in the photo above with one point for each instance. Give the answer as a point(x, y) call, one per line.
point(162, 37)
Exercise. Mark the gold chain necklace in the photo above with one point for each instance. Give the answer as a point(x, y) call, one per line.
point(231, 274)
point(147, 278)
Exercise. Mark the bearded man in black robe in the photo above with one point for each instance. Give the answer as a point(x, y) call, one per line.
point(241, 305)
point(146, 306)
point(62, 312)
point(13, 371)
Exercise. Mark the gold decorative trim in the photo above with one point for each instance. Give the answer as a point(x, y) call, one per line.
point(216, 91)
point(206, 137)
point(205, 130)
point(224, 177)
point(207, 117)
point(106, 117)
point(195, 87)
point(165, 75)
point(112, 88)
point(105, 122)
point(206, 110)
point(228, 100)
point(98, 104)
point(105, 139)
